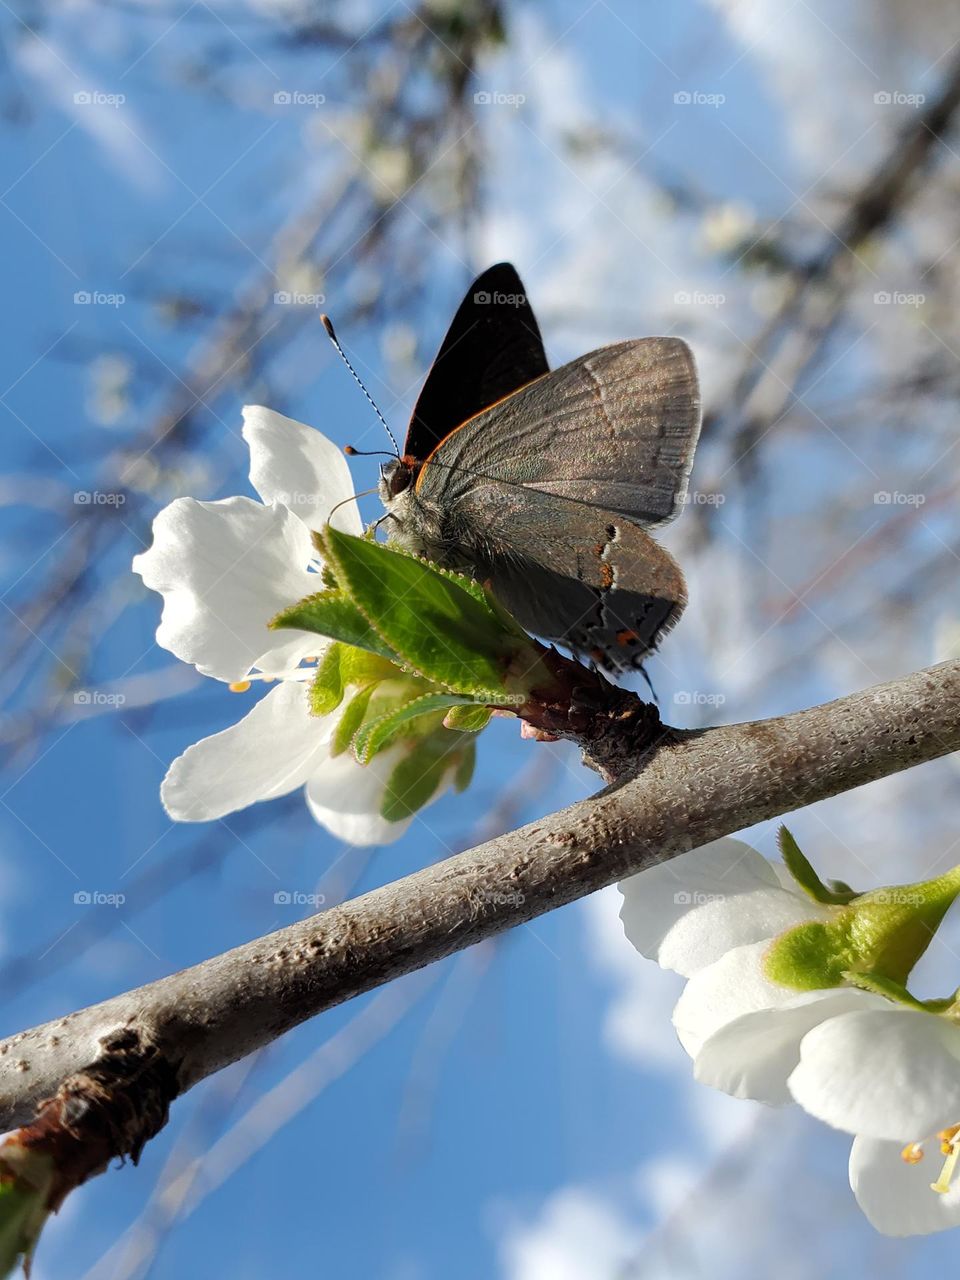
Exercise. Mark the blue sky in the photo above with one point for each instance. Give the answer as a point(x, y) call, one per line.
point(525, 1109)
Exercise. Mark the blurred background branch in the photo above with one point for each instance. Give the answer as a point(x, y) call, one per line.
point(778, 184)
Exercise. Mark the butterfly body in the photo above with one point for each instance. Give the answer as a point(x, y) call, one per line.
point(546, 482)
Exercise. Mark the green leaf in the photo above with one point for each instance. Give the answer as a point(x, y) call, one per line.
point(342, 666)
point(386, 729)
point(805, 876)
point(417, 776)
point(439, 623)
point(333, 614)
point(326, 687)
point(469, 717)
point(351, 720)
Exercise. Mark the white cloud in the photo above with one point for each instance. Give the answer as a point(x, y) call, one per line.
point(576, 1235)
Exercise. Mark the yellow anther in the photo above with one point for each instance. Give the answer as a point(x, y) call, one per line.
point(912, 1153)
point(240, 686)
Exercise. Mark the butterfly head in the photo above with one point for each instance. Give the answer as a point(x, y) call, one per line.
point(396, 477)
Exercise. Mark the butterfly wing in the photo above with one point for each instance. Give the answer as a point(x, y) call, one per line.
point(492, 348)
point(598, 583)
point(615, 429)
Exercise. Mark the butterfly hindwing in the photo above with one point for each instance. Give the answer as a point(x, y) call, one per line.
point(597, 583)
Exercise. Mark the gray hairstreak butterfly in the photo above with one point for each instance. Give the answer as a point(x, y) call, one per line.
point(543, 484)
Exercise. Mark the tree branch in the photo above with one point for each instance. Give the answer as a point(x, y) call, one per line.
point(691, 788)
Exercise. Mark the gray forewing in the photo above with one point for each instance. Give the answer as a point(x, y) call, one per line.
point(615, 429)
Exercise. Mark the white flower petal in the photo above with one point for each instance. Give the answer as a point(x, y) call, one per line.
point(299, 467)
point(663, 907)
point(276, 747)
point(711, 930)
point(345, 797)
point(224, 570)
point(753, 1056)
point(727, 989)
point(885, 1073)
point(895, 1196)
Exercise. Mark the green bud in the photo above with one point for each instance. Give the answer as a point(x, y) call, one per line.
point(876, 937)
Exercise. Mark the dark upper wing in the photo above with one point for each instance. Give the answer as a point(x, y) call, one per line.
point(614, 429)
point(492, 348)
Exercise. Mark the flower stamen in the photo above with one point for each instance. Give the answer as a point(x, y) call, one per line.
point(239, 686)
point(950, 1146)
point(912, 1153)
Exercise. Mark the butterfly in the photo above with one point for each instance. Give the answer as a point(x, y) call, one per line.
point(543, 484)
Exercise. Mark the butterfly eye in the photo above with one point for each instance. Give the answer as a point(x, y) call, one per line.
point(396, 476)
